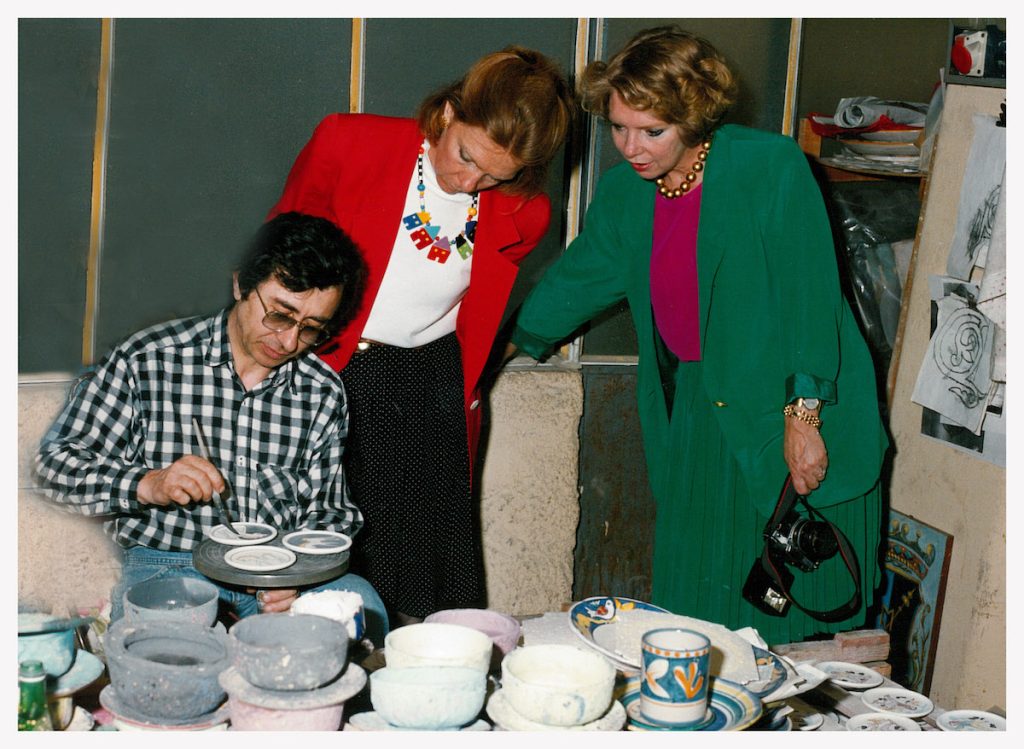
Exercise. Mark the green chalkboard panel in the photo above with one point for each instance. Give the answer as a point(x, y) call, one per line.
point(758, 50)
point(207, 116)
point(58, 63)
point(407, 59)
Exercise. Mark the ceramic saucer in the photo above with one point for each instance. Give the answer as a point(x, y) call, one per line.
point(970, 720)
point(804, 717)
point(348, 684)
point(897, 701)
point(83, 672)
point(136, 720)
point(731, 708)
point(372, 721)
point(317, 542)
point(260, 558)
point(850, 675)
point(881, 722)
point(500, 710)
point(261, 531)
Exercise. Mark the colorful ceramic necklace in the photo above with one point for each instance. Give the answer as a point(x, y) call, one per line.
point(425, 234)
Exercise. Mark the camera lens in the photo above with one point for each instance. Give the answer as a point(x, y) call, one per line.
point(815, 539)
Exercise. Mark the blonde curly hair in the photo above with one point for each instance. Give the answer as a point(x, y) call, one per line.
point(679, 77)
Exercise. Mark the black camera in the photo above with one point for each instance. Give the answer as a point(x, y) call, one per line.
point(795, 540)
point(800, 541)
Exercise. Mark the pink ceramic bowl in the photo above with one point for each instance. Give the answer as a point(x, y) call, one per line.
point(501, 628)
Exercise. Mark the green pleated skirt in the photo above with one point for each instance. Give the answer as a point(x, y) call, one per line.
point(708, 534)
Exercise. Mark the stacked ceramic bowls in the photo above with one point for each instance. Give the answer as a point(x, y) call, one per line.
point(165, 673)
point(503, 629)
point(435, 680)
point(288, 672)
point(555, 687)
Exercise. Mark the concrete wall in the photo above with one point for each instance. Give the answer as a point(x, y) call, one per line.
point(937, 484)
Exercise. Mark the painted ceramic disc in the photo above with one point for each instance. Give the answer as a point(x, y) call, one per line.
point(970, 720)
point(260, 558)
point(317, 542)
point(850, 675)
point(897, 701)
point(261, 533)
point(881, 722)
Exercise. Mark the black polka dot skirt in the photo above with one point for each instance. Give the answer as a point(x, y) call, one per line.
point(407, 464)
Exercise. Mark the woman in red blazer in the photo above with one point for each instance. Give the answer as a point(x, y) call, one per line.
point(444, 208)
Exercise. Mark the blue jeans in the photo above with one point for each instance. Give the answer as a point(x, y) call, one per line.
point(141, 563)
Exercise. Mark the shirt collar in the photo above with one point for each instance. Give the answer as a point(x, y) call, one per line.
point(218, 354)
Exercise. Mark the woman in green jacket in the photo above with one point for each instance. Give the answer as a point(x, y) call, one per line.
point(751, 365)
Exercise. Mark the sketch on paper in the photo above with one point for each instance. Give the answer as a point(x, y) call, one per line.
point(955, 377)
point(979, 196)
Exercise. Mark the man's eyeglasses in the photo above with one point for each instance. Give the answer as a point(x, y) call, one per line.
point(311, 335)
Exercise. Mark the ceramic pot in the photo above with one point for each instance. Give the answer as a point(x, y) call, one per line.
point(557, 685)
point(172, 599)
point(56, 650)
point(428, 698)
point(432, 644)
point(246, 716)
point(166, 670)
point(289, 652)
point(501, 628)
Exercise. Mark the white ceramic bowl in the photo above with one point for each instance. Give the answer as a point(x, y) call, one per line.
point(557, 685)
point(501, 628)
point(428, 698)
point(432, 644)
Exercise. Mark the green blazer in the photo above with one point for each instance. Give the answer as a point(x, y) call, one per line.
point(773, 322)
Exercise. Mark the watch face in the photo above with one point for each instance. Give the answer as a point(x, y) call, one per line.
point(809, 403)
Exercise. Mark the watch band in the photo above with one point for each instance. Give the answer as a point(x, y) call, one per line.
point(805, 416)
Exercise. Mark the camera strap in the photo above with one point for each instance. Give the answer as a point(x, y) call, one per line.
point(786, 502)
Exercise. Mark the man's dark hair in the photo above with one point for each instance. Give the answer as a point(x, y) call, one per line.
point(306, 252)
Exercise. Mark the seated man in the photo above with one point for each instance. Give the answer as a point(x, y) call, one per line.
point(274, 416)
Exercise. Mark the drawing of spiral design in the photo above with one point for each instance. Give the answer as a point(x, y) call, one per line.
point(958, 350)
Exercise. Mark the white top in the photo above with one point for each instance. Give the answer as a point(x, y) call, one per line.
point(420, 294)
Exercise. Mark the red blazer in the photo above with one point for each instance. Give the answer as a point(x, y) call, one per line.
point(355, 171)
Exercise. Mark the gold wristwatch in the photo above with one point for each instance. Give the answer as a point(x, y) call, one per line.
point(807, 411)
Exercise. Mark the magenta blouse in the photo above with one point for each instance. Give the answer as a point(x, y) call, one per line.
point(674, 295)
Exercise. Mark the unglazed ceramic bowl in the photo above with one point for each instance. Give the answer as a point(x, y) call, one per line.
point(246, 716)
point(56, 649)
point(501, 628)
point(166, 670)
point(432, 644)
point(429, 698)
point(172, 599)
point(557, 685)
point(289, 652)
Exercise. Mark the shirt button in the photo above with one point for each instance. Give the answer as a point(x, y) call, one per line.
point(240, 461)
point(474, 405)
point(721, 404)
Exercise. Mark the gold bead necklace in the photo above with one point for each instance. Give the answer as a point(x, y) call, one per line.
point(691, 176)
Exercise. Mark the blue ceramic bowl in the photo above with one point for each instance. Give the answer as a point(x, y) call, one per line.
point(56, 650)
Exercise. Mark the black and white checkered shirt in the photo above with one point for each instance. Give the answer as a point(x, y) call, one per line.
point(278, 445)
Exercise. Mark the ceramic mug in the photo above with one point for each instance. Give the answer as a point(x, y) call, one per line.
point(674, 689)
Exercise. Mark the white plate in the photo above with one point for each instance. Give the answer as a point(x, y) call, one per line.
point(317, 542)
point(892, 136)
point(222, 535)
point(505, 716)
point(881, 722)
point(880, 148)
point(970, 720)
point(850, 675)
point(260, 558)
point(897, 701)
point(372, 721)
